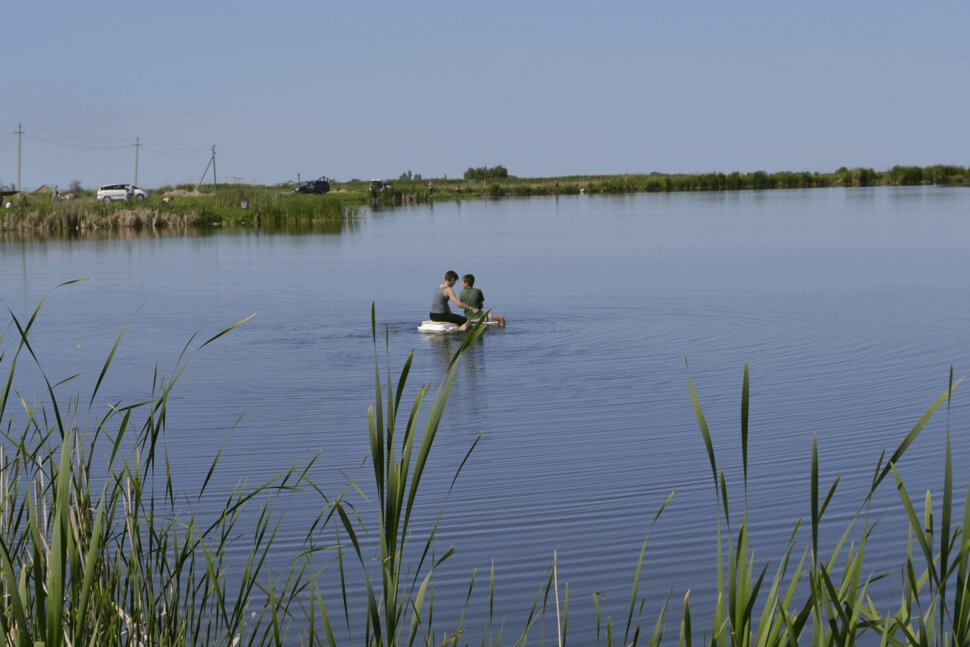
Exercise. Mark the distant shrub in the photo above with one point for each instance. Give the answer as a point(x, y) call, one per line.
point(905, 175)
point(487, 173)
point(863, 177)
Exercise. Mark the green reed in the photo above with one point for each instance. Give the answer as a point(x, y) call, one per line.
point(824, 599)
point(412, 191)
point(398, 603)
point(244, 206)
point(96, 545)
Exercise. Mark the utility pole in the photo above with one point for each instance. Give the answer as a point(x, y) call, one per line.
point(20, 136)
point(212, 163)
point(137, 146)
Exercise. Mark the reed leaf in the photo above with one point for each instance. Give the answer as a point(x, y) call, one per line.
point(634, 595)
point(57, 568)
point(725, 502)
point(656, 638)
point(227, 330)
point(705, 432)
point(946, 512)
point(816, 514)
point(107, 363)
point(918, 529)
point(745, 396)
point(910, 438)
point(16, 599)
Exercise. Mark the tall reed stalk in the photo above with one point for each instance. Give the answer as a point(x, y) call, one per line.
point(825, 599)
point(95, 545)
point(398, 608)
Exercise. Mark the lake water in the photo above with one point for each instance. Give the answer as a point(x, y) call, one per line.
point(849, 306)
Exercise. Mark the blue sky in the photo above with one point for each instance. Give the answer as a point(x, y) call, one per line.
point(361, 90)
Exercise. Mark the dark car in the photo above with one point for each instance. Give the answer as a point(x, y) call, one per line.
point(320, 185)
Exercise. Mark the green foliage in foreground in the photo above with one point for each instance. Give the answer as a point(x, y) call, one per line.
point(98, 546)
point(824, 598)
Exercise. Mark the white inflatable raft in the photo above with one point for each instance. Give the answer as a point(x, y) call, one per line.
point(446, 326)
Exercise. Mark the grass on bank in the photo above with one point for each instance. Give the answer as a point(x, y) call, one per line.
point(416, 191)
point(276, 208)
point(226, 206)
point(98, 546)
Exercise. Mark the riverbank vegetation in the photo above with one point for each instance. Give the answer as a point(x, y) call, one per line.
point(276, 208)
point(98, 545)
point(181, 209)
point(495, 182)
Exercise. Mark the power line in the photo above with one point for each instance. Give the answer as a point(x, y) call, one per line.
point(174, 149)
point(73, 139)
point(138, 144)
point(85, 144)
point(79, 146)
point(182, 153)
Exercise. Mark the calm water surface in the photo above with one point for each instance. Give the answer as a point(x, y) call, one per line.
point(849, 306)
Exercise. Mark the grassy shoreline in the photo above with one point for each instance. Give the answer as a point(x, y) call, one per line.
point(403, 192)
point(244, 206)
point(225, 206)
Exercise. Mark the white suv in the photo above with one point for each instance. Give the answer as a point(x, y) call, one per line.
point(110, 192)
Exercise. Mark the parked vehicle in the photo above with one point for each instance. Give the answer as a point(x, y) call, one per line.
point(320, 185)
point(114, 192)
point(379, 185)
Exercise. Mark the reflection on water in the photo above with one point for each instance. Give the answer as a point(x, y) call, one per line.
point(443, 346)
point(325, 227)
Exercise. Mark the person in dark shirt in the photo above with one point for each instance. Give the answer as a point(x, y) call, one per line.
point(476, 299)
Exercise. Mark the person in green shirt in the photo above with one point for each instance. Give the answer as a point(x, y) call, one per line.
point(470, 295)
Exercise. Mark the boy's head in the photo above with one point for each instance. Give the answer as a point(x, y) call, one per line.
point(451, 276)
point(468, 280)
